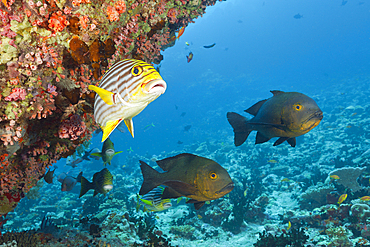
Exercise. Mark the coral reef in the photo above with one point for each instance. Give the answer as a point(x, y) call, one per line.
point(348, 177)
point(50, 52)
point(295, 237)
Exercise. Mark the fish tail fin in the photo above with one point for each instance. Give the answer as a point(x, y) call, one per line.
point(150, 178)
point(240, 126)
point(85, 186)
point(79, 176)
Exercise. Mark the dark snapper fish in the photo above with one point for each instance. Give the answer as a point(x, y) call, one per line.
point(188, 175)
point(285, 115)
point(107, 153)
point(102, 183)
point(124, 91)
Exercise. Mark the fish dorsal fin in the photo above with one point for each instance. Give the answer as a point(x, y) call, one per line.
point(170, 193)
point(130, 126)
point(253, 110)
point(180, 187)
point(105, 95)
point(109, 127)
point(276, 92)
point(168, 163)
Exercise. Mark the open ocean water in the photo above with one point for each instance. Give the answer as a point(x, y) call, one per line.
point(283, 195)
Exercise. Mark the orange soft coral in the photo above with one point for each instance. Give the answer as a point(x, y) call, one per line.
point(58, 21)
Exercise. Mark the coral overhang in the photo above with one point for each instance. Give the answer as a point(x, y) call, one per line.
point(51, 50)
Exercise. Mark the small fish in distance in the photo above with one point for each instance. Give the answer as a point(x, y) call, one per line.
point(189, 57)
point(69, 182)
point(152, 201)
point(49, 176)
point(108, 152)
point(209, 46)
point(102, 183)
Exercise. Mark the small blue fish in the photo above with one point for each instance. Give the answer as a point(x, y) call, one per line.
point(298, 16)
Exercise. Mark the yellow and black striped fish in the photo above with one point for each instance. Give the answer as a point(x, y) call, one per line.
point(124, 91)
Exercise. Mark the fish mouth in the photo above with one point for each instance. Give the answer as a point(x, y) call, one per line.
point(315, 119)
point(109, 152)
point(317, 115)
point(227, 188)
point(157, 86)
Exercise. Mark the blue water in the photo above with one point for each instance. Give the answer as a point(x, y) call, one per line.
point(259, 47)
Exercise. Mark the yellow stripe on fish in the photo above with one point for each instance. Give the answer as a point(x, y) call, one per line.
point(124, 91)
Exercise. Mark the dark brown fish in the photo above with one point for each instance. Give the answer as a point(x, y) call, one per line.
point(188, 175)
point(49, 176)
point(285, 115)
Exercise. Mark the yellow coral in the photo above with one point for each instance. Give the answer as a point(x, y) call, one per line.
point(7, 51)
point(22, 29)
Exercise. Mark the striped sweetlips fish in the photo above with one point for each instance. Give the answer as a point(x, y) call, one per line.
point(124, 91)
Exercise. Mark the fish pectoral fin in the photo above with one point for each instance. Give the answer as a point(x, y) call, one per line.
point(105, 95)
point(97, 154)
point(130, 126)
point(197, 204)
point(117, 152)
point(253, 110)
point(280, 140)
point(181, 187)
point(109, 127)
point(291, 141)
point(260, 138)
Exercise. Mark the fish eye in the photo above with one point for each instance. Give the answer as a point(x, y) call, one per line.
point(297, 107)
point(213, 175)
point(137, 70)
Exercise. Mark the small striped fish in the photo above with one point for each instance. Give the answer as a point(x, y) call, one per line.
point(124, 91)
point(152, 201)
